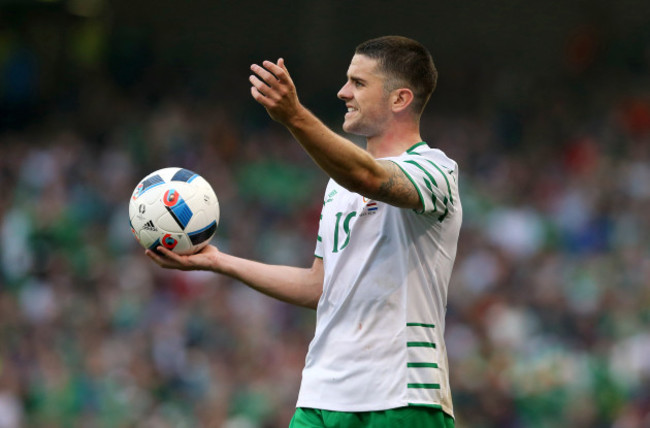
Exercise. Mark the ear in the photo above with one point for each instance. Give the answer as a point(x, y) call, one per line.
point(400, 99)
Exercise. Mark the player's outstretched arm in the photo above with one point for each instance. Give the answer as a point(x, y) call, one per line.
point(348, 164)
point(298, 286)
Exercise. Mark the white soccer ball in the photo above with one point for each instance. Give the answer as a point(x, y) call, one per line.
point(175, 208)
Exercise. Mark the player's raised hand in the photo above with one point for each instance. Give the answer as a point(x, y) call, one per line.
point(203, 260)
point(273, 88)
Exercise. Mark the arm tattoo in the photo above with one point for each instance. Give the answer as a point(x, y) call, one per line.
point(398, 190)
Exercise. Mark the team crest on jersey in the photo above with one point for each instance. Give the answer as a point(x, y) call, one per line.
point(330, 197)
point(370, 207)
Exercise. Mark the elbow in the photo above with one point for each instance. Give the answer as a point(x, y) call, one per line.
point(314, 298)
point(314, 287)
point(311, 302)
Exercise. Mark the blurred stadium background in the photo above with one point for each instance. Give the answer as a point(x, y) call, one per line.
point(545, 106)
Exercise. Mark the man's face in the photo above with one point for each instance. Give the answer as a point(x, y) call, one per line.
point(365, 97)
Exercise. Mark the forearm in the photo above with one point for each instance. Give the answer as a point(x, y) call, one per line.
point(346, 163)
point(298, 286)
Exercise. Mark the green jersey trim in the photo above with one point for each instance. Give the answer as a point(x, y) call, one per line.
point(420, 365)
point(428, 174)
point(411, 150)
point(420, 344)
point(419, 324)
point(451, 198)
point(420, 211)
point(433, 406)
point(424, 385)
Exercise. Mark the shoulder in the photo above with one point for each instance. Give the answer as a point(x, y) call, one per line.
point(434, 176)
point(428, 158)
point(422, 150)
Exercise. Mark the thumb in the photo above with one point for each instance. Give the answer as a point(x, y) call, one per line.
point(281, 64)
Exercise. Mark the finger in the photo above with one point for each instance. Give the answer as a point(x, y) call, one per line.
point(281, 64)
point(155, 257)
point(277, 70)
point(160, 254)
point(257, 95)
point(264, 74)
point(258, 84)
point(168, 259)
point(173, 260)
point(169, 254)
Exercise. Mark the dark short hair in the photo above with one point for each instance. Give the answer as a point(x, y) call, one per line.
point(406, 63)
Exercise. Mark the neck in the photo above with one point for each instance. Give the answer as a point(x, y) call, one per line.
point(393, 142)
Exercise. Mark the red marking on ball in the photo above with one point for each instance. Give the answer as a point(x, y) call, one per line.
point(171, 198)
point(138, 191)
point(169, 242)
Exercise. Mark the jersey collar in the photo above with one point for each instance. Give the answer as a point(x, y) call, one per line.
point(413, 148)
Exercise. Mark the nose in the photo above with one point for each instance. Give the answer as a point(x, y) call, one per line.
point(344, 93)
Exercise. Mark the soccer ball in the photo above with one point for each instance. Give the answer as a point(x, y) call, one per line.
point(175, 208)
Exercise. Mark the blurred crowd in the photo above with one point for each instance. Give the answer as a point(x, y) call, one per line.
point(549, 305)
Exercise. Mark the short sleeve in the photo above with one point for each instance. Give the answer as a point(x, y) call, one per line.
point(434, 179)
point(318, 252)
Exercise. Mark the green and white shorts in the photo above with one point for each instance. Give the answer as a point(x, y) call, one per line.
point(411, 417)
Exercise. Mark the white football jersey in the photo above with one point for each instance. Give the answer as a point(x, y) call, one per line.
point(380, 323)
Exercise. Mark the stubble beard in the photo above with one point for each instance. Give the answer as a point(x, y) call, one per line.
point(355, 127)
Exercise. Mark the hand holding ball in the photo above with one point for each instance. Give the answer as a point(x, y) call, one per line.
point(175, 208)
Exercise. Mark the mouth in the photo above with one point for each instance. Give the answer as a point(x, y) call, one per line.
point(351, 111)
